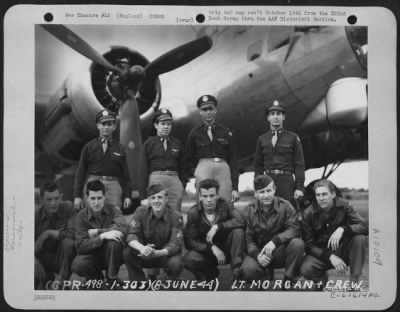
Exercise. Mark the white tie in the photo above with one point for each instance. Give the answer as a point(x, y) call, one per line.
point(209, 133)
point(274, 138)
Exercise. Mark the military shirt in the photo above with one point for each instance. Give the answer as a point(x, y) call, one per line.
point(279, 225)
point(199, 146)
point(156, 158)
point(317, 229)
point(110, 218)
point(287, 155)
point(94, 161)
point(62, 220)
point(226, 217)
point(164, 232)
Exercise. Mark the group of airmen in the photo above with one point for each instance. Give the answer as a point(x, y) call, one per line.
point(83, 239)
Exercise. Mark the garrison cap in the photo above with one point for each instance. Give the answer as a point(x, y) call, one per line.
point(155, 188)
point(105, 115)
point(276, 106)
point(206, 99)
point(162, 114)
point(262, 181)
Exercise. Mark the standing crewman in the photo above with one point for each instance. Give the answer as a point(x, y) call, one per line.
point(279, 154)
point(104, 159)
point(163, 159)
point(210, 151)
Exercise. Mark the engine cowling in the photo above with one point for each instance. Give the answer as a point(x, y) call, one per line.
point(345, 105)
point(70, 115)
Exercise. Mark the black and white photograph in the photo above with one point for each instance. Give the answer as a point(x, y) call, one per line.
point(225, 155)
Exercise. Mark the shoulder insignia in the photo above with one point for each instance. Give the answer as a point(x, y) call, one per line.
point(132, 223)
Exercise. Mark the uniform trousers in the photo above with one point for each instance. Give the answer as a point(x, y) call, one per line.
point(204, 264)
point(288, 256)
point(219, 171)
point(113, 191)
point(351, 250)
point(56, 257)
point(174, 187)
point(173, 265)
point(107, 257)
point(285, 186)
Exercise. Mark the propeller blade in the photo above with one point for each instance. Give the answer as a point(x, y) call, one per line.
point(78, 44)
point(131, 138)
point(178, 56)
point(293, 39)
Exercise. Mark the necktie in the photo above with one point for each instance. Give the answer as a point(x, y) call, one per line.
point(274, 138)
point(209, 133)
point(104, 142)
point(165, 143)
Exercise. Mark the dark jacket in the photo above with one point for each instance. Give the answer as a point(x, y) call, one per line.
point(317, 230)
point(110, 219)
point(94, 161)
point(279, 226)
point(199, 146)
point(287, 155)
point(227, 218)
point(155, 158)
point(164, 232)
point(62, 220)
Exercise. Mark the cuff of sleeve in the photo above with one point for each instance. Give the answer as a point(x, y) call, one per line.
point(326, 255)
point(346, 229)
point(276, 240)
point(254, 253)
point(221, 226)
point(131, 237)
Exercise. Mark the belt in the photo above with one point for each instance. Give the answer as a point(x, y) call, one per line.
point(278, 171)
point(214, 159)
point(105, 178)
point(165, 172)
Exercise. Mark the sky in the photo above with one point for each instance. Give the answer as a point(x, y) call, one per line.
point(54, 61)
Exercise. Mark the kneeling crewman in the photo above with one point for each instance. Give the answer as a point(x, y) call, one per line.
point(214, 234)
point(99, 235)
point(334, 234)
point(154, 237)
point(272, 235)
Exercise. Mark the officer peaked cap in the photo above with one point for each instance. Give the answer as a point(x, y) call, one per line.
point(105, 115)
point(276, 106)
point(206, 99)
point(162, 115)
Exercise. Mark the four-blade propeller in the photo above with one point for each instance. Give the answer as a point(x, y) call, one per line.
point(130, 128)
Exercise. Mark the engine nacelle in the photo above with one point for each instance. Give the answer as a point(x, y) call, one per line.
point(345, 105)
point(69, 120)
